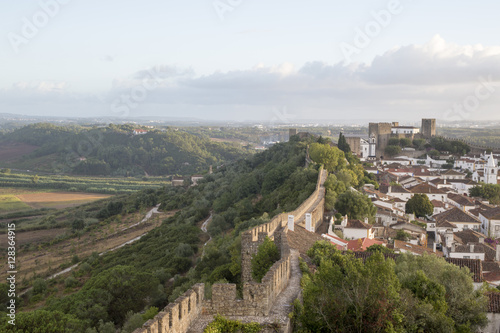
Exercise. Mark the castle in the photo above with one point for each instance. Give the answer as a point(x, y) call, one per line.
point(380, 133)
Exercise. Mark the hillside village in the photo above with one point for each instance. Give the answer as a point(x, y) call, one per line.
point(460, 226)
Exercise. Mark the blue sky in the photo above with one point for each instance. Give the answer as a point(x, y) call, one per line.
point(243, 60)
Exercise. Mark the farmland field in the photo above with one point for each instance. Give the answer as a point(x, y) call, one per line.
point(59, 199)
point(10, 203)
point(14, 199)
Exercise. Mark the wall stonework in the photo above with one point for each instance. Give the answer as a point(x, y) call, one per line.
point(177, 316)
point(258, 298)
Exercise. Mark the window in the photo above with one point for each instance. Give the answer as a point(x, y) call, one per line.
point(466, 257)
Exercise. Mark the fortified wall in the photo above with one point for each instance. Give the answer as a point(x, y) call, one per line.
point(258, 298)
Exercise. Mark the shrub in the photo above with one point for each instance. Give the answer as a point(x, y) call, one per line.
point(266, 256)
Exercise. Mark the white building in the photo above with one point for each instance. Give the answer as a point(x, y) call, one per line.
point(405, 130)
point(355, 229)
point(490, 222)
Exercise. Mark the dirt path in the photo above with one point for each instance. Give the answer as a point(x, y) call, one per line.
point(148, 216)
point(204, 227)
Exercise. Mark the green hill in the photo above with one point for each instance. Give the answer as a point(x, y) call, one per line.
point(113, 150)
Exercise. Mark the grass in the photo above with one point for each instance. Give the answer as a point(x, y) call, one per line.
point(10, 203)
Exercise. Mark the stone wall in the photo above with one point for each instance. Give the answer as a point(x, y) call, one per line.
point(258, 298)
point(177, 316)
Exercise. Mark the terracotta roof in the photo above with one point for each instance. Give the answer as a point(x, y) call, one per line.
point(394, 189)
point(426, 188)
point(489, 253)
point(490, 266)
point(491, 276)
point(362, 244)
point(492, 214)
point(469, 236)
point(452, 173)
point(357, 224)
point(446, 224)
point(462, 181)
point(456, 215)
point(474, 265)
point(437, 203)
point(494, 302)
point(415, 248)
point(461, 200)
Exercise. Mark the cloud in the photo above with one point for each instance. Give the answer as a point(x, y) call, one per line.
point(404, 83)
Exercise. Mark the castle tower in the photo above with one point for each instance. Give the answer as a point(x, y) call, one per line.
point(428, 129)
point(491, 171)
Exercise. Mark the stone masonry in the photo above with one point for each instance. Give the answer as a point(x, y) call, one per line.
point(258, 298)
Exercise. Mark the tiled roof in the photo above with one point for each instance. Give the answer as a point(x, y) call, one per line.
point(489, 253)
point(357, 224)
point(494, 302)
point(301, 239)
point(426, 188)
point(452, 173)
point(492, 214)
point(490, 266)
point(362, 244)
point(474, 265)
point(437, 203)
point(415, 248)
point(456, 215)
point(446, 224)
point(394, 189)
point(462, 181)
point(468, 236)
point(461, 200)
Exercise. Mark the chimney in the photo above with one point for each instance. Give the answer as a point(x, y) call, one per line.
point(472, 248)
point(366, 220)
point(481, 240)
point(453, 247)
point(434, 247)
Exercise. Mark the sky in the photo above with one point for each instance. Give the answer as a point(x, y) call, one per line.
point(241, 60)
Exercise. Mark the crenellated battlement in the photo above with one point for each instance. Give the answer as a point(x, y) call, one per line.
point(258, 298)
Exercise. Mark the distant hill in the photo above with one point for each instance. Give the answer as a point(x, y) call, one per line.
point(113, 150)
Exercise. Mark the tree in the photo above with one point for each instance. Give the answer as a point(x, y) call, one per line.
point(355, 205)
point(419, 144)
point(405, 142)
point(345, 295)
point(43, 321)
point(464, 305)
point(331, 157)
point(402, 235)
point(420, 205)
point(393, 142)
point(392, 150)
point(35, 179)
point(266, 256)
point(342, 144)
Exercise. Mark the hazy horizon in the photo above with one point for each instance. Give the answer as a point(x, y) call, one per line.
point(283, 62)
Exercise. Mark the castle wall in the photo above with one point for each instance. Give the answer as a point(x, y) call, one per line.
point(258, 298)
point(177, 316)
